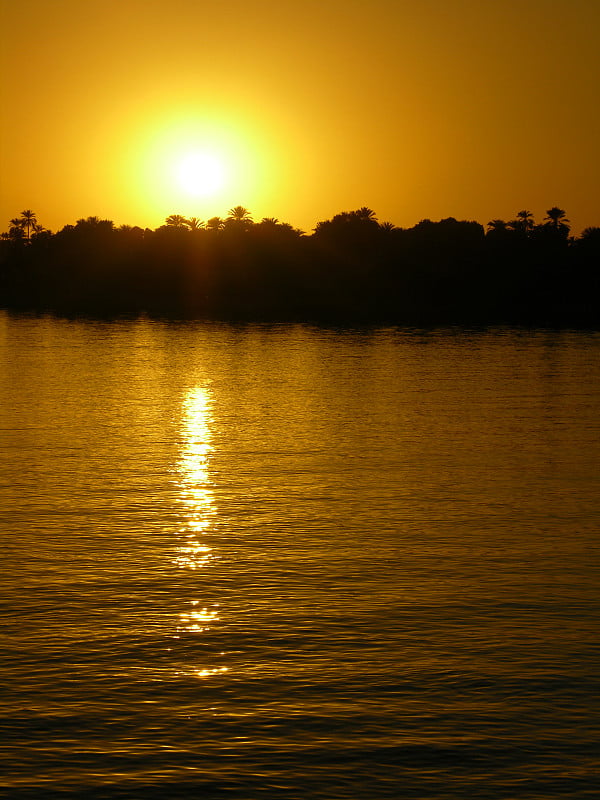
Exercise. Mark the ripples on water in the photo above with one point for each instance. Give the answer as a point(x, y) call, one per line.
point(287, 562)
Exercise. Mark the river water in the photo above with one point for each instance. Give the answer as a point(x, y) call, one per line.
point(298, 562)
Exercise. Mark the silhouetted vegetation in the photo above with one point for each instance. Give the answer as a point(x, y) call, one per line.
point(350, 269)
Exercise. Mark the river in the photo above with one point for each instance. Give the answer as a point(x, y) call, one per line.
point(253, 561)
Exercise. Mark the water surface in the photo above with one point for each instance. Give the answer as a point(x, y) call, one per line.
point(294, 562)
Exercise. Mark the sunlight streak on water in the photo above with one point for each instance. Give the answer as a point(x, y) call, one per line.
point(195, 485)
point(196, 495)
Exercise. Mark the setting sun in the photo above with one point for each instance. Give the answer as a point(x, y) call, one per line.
point(196, 163)
point(200, 174)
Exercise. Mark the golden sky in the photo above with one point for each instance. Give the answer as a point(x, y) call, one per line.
point(299, 110)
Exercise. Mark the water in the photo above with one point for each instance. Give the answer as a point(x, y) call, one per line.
point(292, 562)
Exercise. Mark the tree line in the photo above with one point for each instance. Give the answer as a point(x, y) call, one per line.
point(350, 268)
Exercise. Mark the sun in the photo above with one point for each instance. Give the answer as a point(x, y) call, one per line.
point(200, 174)
point(196, 164)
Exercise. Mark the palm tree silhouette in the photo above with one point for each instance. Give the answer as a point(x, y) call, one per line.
point(523, 222)
point(28, 219)
point(176, 221)
point(556, 218)
point(214, 224)
point(497, 225)
point(526, 219)
point(95, 224)
point(239, 214)
point(591, 233)
point(194, 224)
point(16, 231)
point(366, 214)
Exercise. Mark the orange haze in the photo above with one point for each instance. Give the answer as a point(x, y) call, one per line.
point(415, 109)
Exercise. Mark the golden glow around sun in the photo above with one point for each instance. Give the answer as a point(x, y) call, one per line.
point(198, 165)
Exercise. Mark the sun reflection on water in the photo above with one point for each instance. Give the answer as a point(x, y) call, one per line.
point(197, 620)
point(197, 497)
point(196, 492)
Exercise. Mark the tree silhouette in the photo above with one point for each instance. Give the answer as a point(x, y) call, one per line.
point(194, 224)
point(497, 225)
point(16, 232)
point(28, 219)
point(176, 221)
point(524, 221)
point(591, 233)
point(526, 217)
point(95, 224)
point(352, 268)
point(239, 214)
point(556, 217)
point(214, 224)
point(366, 214)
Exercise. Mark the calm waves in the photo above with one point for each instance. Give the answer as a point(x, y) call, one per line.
point(292, 562)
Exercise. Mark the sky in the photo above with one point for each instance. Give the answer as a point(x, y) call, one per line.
point(132, 110)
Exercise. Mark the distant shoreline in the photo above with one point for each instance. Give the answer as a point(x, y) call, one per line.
point(350, 271)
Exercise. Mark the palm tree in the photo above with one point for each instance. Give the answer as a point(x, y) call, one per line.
point(387, 226)
point(176, 221)
point(16, 231)
point(239, 214)
point(366, 214)
point(497, 225)
point(214, 224)
point(95, 225)
point(523, 223)
point(525, 219)
point(591, 233)
point(556, 218)
point(194, 224)
point(28, 219)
